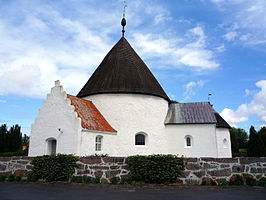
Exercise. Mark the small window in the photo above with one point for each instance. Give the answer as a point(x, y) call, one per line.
point(188, 141)
point(225, 143)
point(140, 139)
point(98, 143)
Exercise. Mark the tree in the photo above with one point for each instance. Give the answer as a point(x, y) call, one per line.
point(239, 139)
point(3, 138)
point(262, 134)
point(10, 140)
point(255, 144)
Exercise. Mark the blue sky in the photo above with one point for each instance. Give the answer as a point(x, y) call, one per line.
point(193, 47)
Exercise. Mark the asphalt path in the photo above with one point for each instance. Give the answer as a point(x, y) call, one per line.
point(51, 191)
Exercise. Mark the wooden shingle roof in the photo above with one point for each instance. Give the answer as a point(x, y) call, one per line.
point(122, 71)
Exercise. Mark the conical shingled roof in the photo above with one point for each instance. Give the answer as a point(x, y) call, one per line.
point(122, 71)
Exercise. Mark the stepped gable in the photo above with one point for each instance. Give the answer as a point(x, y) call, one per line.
point(122, 71)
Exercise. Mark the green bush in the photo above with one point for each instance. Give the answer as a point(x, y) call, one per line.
point(18, 177)
point(17, 153)
point(54, 167)
point(97, 180)
point(155, 168)
point(88, 180)
point(237, 180)
point(262, 182)
point(115, 180)
point(222, 182)
point(77, 179)
point(32, 177)
point(250, 180)
point(2, 178)
point(11, 177)
point(123, 180)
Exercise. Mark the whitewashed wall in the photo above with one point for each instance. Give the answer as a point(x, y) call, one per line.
point(203, 140)
point(56, 113)
point(224, 148)
point(130, 114)
point(88, 142)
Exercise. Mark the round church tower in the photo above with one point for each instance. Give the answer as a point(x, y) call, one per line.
point(131, 100)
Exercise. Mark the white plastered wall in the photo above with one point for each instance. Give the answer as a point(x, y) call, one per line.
point(56, 113)
point(203, 140)
point(224, 143)
point(88, 142)
point(130, 114)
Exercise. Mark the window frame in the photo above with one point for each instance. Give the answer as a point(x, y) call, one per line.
point(190, 141)
point(143, 142)
point(98, 143)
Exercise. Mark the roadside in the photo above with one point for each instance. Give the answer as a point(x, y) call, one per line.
point(51, 191)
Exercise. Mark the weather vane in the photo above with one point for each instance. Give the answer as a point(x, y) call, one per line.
point(123, 22)
point(209, 95)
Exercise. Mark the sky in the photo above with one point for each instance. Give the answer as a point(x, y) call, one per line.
point(193, 48)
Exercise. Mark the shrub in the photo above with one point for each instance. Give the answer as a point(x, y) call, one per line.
point(203, 181)
point(89, 180)
point(2, 178)
point(123, 180)
point(54, 167)
point(237, 180)
point(250, 180)
point(262, 182)
point(11, 177)
point(223, 182)
point(32, 177)
point(17, 153)
point(18, 177)
point(115, 180)
point(213, 182)
point(97, 179)
point(155, 168)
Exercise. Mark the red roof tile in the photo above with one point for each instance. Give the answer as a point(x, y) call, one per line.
point(90, 116)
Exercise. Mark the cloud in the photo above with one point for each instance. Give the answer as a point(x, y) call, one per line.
point(190, 88)
point(3, 101)
point(191, 51)
point(230, 36)
point(250, 18)
point(257, 107)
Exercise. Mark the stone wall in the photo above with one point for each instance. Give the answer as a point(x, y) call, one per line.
point(107, 167)
point(222, 168)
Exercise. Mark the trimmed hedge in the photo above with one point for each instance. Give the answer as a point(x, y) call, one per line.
point(155, 168)
point(54, 167)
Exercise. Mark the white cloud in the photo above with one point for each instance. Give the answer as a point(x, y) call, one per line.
point(250, 17)
point(230, 36)
point(257, 107)
point(191, 51)
point(190, 88)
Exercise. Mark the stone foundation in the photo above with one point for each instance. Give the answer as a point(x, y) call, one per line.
point(107, 167)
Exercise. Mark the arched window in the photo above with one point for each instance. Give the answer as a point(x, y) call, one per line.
point(225, 144)
point(98, 143)
point(188, 141)
point(140, 139)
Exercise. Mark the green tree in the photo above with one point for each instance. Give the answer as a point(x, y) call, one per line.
point(3, 138)
point(10, 140)
point(239, 139)
point(255, 144)
point(262, 134)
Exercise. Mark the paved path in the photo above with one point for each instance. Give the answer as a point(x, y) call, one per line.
point(44, 191)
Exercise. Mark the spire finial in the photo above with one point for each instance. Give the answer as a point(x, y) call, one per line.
point(123, 22)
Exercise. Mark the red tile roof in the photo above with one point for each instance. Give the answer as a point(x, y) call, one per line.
point(90, 116)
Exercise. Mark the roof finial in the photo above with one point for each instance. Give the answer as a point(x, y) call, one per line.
point(123, 22)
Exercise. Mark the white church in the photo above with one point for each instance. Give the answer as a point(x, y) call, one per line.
point(122, 110)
